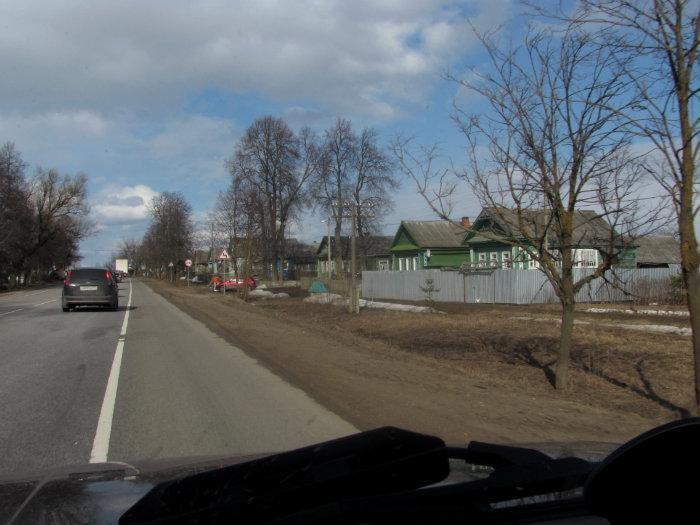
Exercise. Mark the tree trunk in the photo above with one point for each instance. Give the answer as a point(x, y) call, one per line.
point(690, 262)
point(338, 252)
point(564, 358)
point(691, 279)
point(692, 283)
point(248, 262)
point(567, 317)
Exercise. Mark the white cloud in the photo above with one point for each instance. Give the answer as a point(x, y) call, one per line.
point(119, 204)
point(364, 57)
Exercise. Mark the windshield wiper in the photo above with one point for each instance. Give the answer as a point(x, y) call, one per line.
point(373, 473)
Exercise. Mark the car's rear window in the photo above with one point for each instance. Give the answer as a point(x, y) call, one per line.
point(88, 274)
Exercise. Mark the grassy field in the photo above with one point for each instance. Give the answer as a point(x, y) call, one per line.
point(645, 373)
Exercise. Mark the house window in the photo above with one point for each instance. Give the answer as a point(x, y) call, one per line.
point(533, 263)
point(587, 258)
point(482, 260)
point(415, 263)
point(401, 264)
point(494, 259)
point(505, 257)
point(383, 265)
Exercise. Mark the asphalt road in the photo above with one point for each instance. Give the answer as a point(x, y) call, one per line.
point(144, 383)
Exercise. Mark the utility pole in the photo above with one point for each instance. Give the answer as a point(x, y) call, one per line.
point(330, 271)
point(355, 210)
point(354, 305)
point(328, 248)
point(211, 247)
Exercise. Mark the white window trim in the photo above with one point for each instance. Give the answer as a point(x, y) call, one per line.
point(482, 259)
point(506, 261)
point(585, 258)
point(532, 264)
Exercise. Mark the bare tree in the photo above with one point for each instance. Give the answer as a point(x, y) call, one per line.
point(372, 180)
point(15, 211)
point(332, 187)
point(229, 219)
point(60, 222)
point(170, 234)
point(274, 162)
point(354, 170)
point(550, 150)
point(655, 43)
point(130, 249)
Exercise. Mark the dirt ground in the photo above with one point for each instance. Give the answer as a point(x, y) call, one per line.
point(474, 373)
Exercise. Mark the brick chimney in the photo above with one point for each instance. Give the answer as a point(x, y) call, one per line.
point(465, 222)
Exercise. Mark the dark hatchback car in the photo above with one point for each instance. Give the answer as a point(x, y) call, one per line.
point(90, 287)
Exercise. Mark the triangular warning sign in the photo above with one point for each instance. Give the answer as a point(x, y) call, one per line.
point(224, 256)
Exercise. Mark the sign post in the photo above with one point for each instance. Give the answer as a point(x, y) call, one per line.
point(170, 266)
point(224, 257)
point(188, 263)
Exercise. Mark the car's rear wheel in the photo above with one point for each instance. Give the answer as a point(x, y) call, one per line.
point(66, 309)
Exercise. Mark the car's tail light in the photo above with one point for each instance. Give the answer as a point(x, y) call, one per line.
point(108, 276)
point(66, 281)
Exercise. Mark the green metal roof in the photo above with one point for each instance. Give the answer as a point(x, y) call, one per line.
point(479, 239)
point(405, 247)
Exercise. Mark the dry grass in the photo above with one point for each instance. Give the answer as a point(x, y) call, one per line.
point(642, 373)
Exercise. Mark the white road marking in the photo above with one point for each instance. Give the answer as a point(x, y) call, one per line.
point(45, 302)
point(100, 445)
point(11, 312)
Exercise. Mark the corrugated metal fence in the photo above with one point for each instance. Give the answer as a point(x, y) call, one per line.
point(520, 286)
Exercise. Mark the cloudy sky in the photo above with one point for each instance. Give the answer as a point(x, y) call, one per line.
point(152, 96)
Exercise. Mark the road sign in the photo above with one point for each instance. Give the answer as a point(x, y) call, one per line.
point(170, 265)
point(223, 256)
point(188, 262)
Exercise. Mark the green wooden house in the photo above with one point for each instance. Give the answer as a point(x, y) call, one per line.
point(420, 245)
point(491, 239)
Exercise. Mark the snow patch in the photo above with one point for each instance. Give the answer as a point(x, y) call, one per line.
point(656, 328)
point(399, 307)
point(339, 300)
point(325, 298)
point(260, 293)
point(668, 313)
point(264, 294)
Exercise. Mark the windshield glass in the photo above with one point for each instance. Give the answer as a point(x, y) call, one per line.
point(470, 219)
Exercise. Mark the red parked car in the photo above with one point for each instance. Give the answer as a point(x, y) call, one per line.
point(235, 284)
